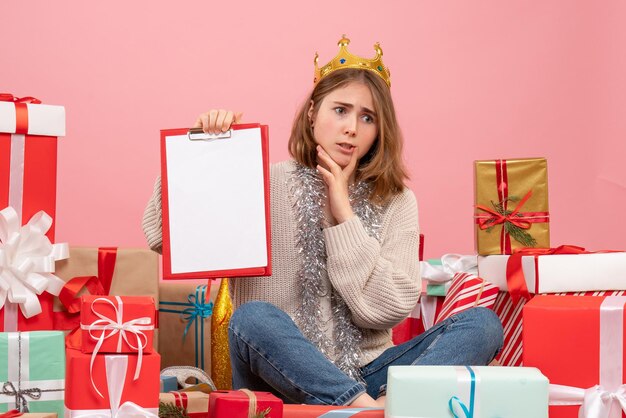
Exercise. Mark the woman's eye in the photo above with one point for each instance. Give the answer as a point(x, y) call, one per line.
point(368, 119)
point(340, 110)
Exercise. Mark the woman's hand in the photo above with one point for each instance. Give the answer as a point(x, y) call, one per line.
point(337, 180)
point(217, 120)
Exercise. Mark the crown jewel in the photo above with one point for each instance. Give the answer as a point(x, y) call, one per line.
point(345, 59)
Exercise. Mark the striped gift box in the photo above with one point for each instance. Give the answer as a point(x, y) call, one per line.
point(467, 291)
point(511, 316)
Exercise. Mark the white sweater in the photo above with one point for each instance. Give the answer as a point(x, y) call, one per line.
point(379, 281)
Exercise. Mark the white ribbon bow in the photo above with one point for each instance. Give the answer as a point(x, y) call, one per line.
point(116, 367)
point(451, 264)
point(27, 261)
point(596, 402)
point(117, 326)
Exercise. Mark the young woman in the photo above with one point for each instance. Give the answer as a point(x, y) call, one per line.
point(344, 254)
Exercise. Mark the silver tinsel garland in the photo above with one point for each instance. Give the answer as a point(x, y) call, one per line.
point(309, 196)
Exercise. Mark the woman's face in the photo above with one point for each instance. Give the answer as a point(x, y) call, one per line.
point(345, 122)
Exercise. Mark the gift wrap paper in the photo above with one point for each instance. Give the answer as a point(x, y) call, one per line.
point(192, 402)
point(82, 394)
point(518, 178)
point(491, 392)
point(328, 411)
point(186, 306)
point(236, 404)
point(575, 344)
point(135, 273)
point(37, 357)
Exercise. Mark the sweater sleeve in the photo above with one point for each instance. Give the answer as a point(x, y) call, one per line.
point(379, 282)
point(152, 223)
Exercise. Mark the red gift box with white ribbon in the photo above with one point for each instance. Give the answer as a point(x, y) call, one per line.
point(115, 385)
point(117, 324)
point(578, 343)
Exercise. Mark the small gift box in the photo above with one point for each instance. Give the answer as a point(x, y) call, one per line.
point(196, 404)
point(33, 371)
point(578, 342)
point(168, 384)
point(511, 200)
point(463, 391)
point(329, 411)
point(112, 384)
point(27, 264)
point(28, 156)
point(244, 404)
point(117, 324)
point(185, 311)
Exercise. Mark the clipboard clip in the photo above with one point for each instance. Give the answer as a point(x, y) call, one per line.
point(197, 134)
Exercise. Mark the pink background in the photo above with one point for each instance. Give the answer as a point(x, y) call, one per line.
point(471, 80)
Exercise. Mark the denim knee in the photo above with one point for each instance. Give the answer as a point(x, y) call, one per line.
point(256, 319)
point(487, 327)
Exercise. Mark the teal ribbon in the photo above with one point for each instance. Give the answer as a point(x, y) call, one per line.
point(455, 401)
point(196, 310)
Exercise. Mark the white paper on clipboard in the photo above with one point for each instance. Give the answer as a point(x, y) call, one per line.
point(216, 202)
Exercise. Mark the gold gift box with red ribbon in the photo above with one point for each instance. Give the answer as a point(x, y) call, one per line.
point(511, 205)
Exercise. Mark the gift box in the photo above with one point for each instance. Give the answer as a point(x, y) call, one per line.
point(195, 403)
point(114, 382)
point(243, 404)
point(13, 414)
point(168, 384)
point(559, 272)
point(104, 271)
point(578, 342)
point(185, 323)
point(33, 364)
point(117, 324)
point(467, 291)
point(511, 200)
point(28, 155)
point(330, 411)
point(27, 264)
point(440, 391)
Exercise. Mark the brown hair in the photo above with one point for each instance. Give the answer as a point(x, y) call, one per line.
point(382, 165)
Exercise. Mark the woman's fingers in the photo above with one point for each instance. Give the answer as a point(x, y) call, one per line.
point(354, 159)
point(330, 163)
point(217, 120)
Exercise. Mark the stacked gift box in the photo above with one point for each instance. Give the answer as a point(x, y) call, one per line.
point(562, 308)
point(115, 367)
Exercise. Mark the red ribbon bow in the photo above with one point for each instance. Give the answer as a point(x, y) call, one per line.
point(497, 218)
point(21, 110)
point(96, 285)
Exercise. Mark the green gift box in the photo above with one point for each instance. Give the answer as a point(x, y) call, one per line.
point(32, 371)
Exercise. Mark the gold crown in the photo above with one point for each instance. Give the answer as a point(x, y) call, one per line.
point(345, 59)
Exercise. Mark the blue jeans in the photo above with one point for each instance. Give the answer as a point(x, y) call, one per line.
point(269, 353)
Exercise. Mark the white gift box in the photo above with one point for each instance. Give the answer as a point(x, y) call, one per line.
point(43, 119)
point(556, 273)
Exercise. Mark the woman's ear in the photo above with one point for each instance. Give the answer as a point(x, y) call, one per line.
point(310, 113)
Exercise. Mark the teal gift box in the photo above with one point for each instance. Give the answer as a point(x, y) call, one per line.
point(32, 371)
point(468, 392)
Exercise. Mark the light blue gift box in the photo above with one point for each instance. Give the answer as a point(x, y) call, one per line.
point(466, 392)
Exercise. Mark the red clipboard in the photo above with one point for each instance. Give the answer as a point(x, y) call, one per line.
point(216, 203)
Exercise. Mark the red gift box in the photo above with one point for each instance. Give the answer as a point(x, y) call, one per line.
point(28, 155)
point(117, 324)
point(328, 411)
point(579, 342)
point(115, 381)
point(237, 404)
